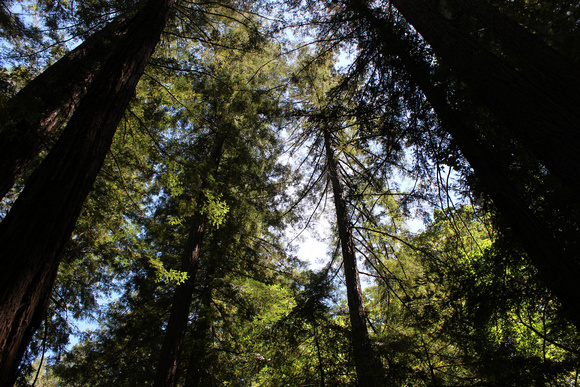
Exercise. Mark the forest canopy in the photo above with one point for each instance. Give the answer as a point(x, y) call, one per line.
point(165, 166)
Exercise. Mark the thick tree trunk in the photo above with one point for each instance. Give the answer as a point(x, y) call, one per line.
point(33, 234)
point(166, 374)
point(369, 369)
point(558, 265)
point(35, 113)
point(542, 109)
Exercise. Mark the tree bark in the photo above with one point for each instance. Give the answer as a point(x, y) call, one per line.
point(36, 113)
point(369, 369)
point(557, 264)
point(558, 267)
point(319, 356)
point(166, 374)
point(536, 107)
point(35, 231)
point(196, 372)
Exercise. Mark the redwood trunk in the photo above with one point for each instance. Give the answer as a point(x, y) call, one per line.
point(543, 117)
point(196, 372)
point(558, 266)
point(369, 369)
point(36, 112)
point(33, 234)
point(179, 318)
point(166, 374)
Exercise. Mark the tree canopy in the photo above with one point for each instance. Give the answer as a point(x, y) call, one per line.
point(164, 163)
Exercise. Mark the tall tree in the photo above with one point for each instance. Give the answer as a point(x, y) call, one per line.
point(179, 317)
point(223, 97)
point(35, 113)
point(369, 368)
point(505, 174)
point(536, 97)
point(59, 187)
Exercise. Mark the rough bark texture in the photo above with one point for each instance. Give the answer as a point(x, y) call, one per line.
point(166, 374)
point(179, 318)
point(369, 369)
point(36, 113)
point(33, 234)
point(196, 372)
point(541, 109)
point(557, 265)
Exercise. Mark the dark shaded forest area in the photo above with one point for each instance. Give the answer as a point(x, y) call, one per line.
point(167, 165)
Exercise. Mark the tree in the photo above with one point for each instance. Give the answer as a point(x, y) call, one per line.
point(178, 320)
point(326, 121)
point(501, 162)
point(36, 113)
point(180, 225)
point(228, 105)
point(369, 370)
point(449, 309)
point(59, 187)
point(223, 99)
point(538, 101)
point(310, 344)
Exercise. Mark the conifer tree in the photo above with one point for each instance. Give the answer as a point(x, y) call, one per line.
point(49, 206)
point(30, 118)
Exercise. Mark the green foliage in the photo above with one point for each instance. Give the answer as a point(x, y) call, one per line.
point(214, 208)
point(456, 304)
point(167, 276)
point(457, 300)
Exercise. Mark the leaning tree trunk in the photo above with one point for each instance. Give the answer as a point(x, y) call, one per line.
point(557, 265)
point(544, 118)
point(35, 231)
point(35, 113)
point(369, 369)
point(166, 374)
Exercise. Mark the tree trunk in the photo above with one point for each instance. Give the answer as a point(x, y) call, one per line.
point(369, 369)
point(196, 372)
point(536, 107)
point(166, 374)
point(35, 231)
point(556, 264)
point(36, 112)
point(319, 355)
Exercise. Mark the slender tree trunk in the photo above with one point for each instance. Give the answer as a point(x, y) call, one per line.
point(196, 372)
point(319, 355)
point(35, 231)
point(557, 265)
point(178, 320)
point(369, 369)
point(35, 113)
point(536, 107)
point(166, 374)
